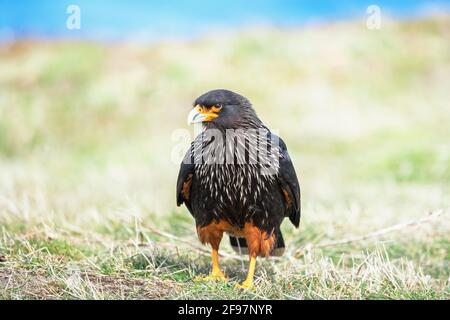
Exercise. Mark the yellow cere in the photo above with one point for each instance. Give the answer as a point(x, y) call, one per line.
point(211, 113)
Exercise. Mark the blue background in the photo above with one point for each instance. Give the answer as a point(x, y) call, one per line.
point(148, 20)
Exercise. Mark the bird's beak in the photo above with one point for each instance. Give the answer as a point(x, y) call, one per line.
point(195, 116)
point(201, 114)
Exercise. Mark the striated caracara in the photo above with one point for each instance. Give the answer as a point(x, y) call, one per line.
point(237, 178)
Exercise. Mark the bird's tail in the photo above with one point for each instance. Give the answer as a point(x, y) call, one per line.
point(240, 245)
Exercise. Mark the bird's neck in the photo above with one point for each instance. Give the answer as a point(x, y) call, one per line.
point(252, 147)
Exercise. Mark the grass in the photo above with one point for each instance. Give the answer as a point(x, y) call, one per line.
point(88, 168)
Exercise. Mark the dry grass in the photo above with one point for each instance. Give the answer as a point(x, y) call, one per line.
point(87, 176)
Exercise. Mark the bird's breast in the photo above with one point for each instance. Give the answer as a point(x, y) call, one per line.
point(235, 187)
point(232, 185)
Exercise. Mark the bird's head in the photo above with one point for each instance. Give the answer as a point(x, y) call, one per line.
point(223, 109)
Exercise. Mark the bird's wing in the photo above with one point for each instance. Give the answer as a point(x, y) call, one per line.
point(287, 179)
point(184, 181)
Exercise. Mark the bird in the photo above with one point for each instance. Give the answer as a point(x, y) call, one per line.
point(237, 178)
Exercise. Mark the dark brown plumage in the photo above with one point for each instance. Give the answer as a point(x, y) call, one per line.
point(237, 178)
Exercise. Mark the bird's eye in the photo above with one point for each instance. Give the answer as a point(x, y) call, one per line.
point(216, 108)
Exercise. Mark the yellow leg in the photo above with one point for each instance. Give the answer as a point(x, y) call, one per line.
point(216, 273)
point(251, 272)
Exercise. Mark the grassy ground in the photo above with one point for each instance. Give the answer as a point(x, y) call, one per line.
point(87, 170)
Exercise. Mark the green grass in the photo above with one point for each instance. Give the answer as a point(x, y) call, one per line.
point(87, 176)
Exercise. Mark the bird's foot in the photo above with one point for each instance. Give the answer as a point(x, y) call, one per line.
point(246, 285)
point(215, 275)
